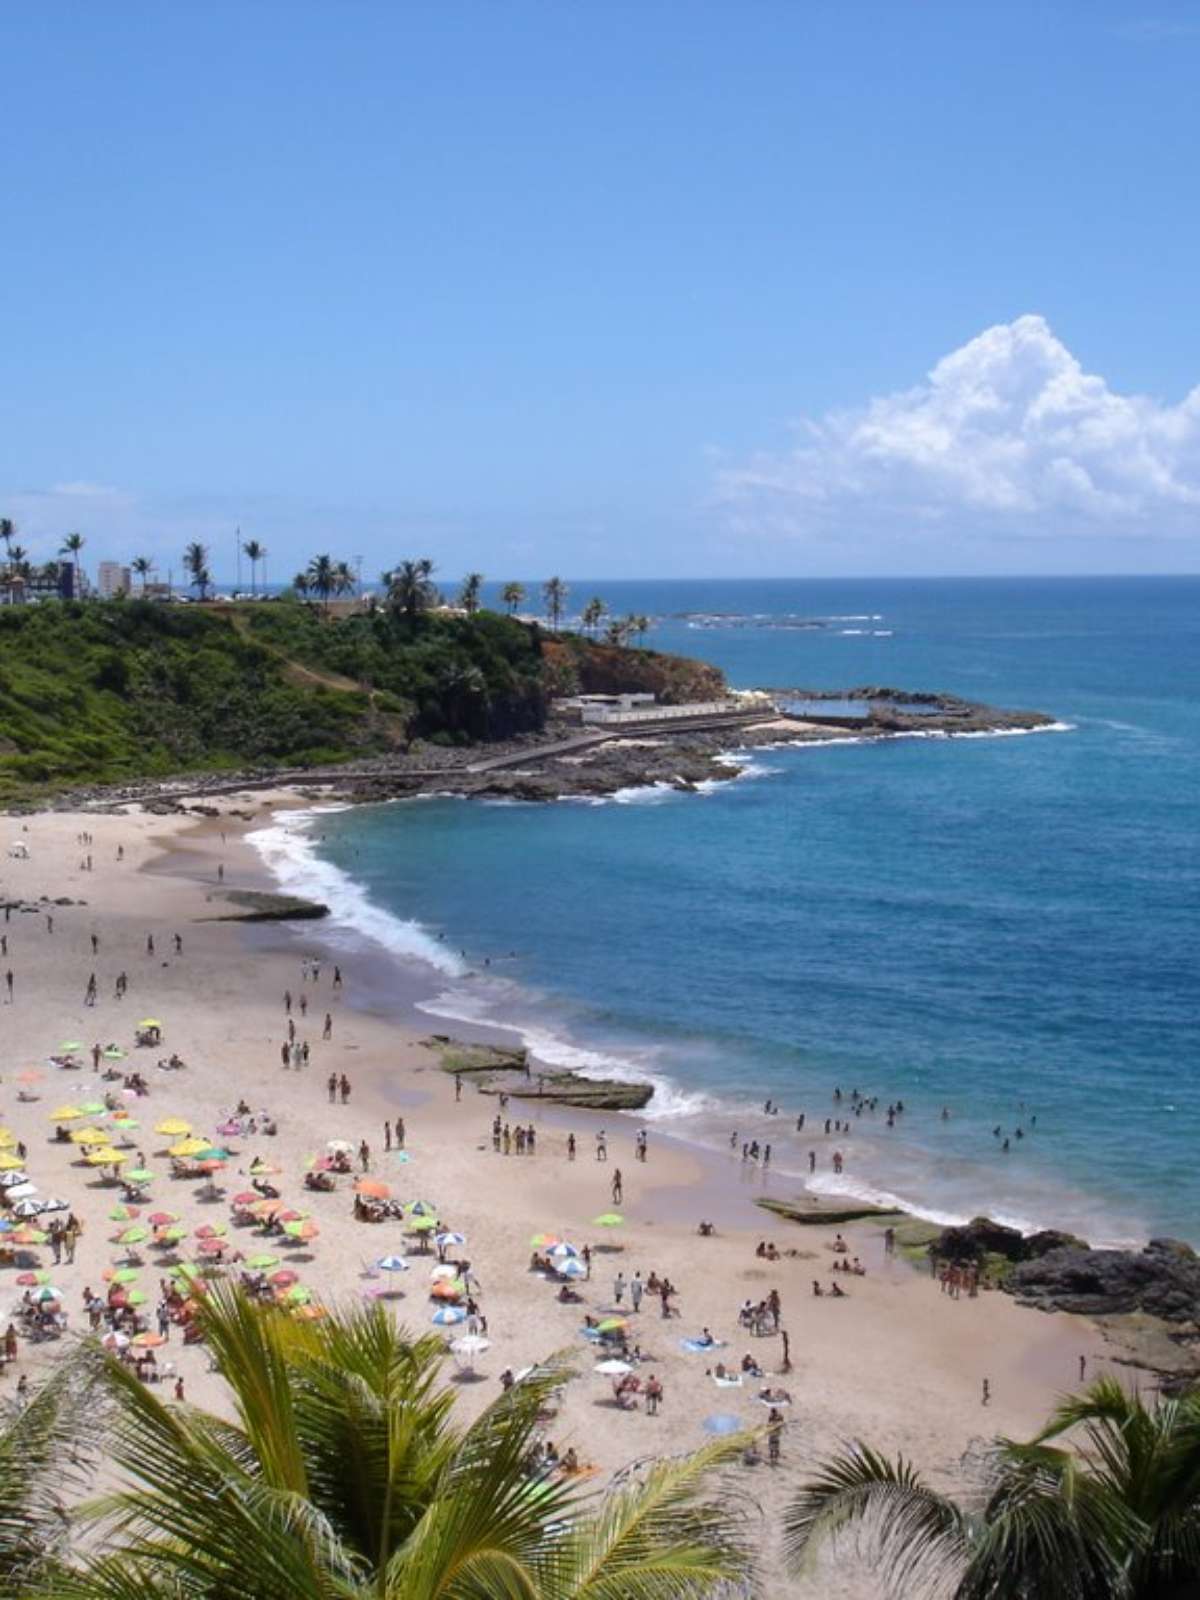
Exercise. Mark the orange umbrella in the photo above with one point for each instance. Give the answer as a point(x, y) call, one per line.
point(445, 1291)
point(373, 1188)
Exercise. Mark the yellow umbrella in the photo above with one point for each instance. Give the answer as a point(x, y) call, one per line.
point(149, 1022)
point(7, 1138)
point(9, 1162)
point(65, 1114)
point(90, 1136)
point(173, 1126)
point(105, 1158)
point(189, 1147)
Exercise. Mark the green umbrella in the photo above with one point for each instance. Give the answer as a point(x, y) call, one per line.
point(298, 1296)
point(173, 1234)
point(610, 1324)
point(135, 1297)
point(93, 1107)
point(263, 1260)
point(186, 1269)
point(139, 1175)
point(71, 1044)
point(422, 1224)
point(124, 1275)
point(134, 1235)
point(610, 1219)
point(114, 1053)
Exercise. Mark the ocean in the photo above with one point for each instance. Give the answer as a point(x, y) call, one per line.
point(1000, 932)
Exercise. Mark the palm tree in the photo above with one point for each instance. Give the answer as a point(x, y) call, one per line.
point(254, 553)
point(513, 595)
point(8, 532)
point(410, 589)
point(468, 594)
point(195, 562)
point(344, 579)
point(593, 614)
point(554, 594)
point(617, 632)
point(301, 584)
point(18, 561)
point(323, 579)
point(639, 626)
point(343, 1475)
point(1118, 1521)
point(143, 566)
point(39, 1475)
point(71, 546)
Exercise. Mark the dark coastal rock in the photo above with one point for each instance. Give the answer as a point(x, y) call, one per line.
point(981, 1237)
point(1163, 1280)
point(258, 906)
point(811, 1210)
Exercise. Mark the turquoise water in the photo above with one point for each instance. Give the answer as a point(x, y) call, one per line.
point(1003, 927)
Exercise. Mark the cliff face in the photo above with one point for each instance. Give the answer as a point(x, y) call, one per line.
point(575, 665)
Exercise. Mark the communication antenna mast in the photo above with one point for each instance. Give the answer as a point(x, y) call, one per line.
point(237, 542)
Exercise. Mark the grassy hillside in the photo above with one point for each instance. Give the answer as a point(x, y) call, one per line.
point(109, 691)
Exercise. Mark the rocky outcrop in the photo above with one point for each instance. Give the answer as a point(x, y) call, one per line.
point(258, 906)
point(1163, 1280)
point(814, 1211)
point(982, 1237)
point(575, 665)
point(496, 1069)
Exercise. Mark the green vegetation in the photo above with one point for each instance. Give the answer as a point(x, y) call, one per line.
point(341, 1471)
point(1119, 1519)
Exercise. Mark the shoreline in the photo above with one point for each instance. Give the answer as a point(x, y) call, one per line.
point(898, 1363)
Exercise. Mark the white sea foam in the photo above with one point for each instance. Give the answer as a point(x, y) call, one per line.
point(288, 850)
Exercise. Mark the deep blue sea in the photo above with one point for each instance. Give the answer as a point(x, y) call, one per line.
point(1004, 927)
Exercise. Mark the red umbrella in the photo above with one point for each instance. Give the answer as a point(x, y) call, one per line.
point(284, 1278)
point(213, 1247)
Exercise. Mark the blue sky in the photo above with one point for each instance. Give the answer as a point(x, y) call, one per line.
point(610, 289)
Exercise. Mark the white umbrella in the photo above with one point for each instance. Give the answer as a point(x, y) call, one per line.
point(13, 1180)
point(392, 1264)
point(571, 1268)
point(445, 1271)
point(613, 1369)
point(54, 1203)
point(562, 1252)
point(470, 1345)
point(27, 1208)
point(22, 1190)
point(340, 1147)
point(447, 1239)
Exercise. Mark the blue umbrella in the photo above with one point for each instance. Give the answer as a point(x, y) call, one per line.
point(571, 1268)
point(392, 1264)
point(447, 1316)
point(723, 1422)
point(447, 1239)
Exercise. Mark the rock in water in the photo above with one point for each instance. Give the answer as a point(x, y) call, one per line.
point(1163, 1280)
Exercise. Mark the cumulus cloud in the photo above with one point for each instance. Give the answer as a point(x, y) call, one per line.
point(1007, 434)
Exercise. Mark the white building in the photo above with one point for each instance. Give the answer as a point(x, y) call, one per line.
point(113, 579)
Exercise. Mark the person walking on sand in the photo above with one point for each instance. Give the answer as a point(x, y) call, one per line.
point(387, 1136)
point(636, 1290)
point(303, 1005)
point(458, 1086)
point(149, 944)
point(332, 1086)
point(337, 977)
point(178, 944)
point(617, 1187)
point(364, 1156)
point(327, 1030)
point(986, 1396)
point(602, 1146)
point(345, 1088)
point(401, 1133)
point(570, 1147)
point(619, 1287)
point(8, 978)
point(287, 1001)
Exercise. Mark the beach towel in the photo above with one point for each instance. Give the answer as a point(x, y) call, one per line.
point(728, 1383)
point(697, 1347)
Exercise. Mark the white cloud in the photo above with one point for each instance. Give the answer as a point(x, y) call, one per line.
point(1007, 435)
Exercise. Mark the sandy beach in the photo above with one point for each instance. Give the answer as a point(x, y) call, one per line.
point(895, 1362)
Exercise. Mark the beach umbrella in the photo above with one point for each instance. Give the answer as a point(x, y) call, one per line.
point(123, 1213)
point(211, 1230)
point(175, 1127)
point(71, 1044)
point(162, 1219)
point(139, 1175)
point(443, 1274)
point(114, 1053)
point(421, 1208)
point(447, 1316)
point(148, 1341)
point(609, 1219)
point(191, 1146)
point(298, 1295)
point(9, 1162)
point(147, 1022)
point(212, 1152)
point(373, 1188)
point(561, 1252)
point(263, 1169)
point(309, 1313)
point(446, 1240)
point(611, 1325)
point(471, 1344)
point(43, 1297)
point(7, 1138)
point(119, 1274)
point(170, 1235)
point(340, 1147)
point(613, 1368)
point(133, 1235)
point(284, 1278)
point(94, 1108)
point(266, 1209)
point(301, 1230)
point(11, 1183)
point(115, 1341)
point(136, 1297)
point(27, 1236)
point(105, 1158)
point(88, 1136)
point(248, 1197)
point(392, 1264)
point(67, 1113)
point(185, 1269)
point(422, 1224)
point(213, 1247)
point(28, 1280)
point(723, 1422)
point(292, 1215)
point(571, 1268)
point(262, 1261)
point(447, 1291)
